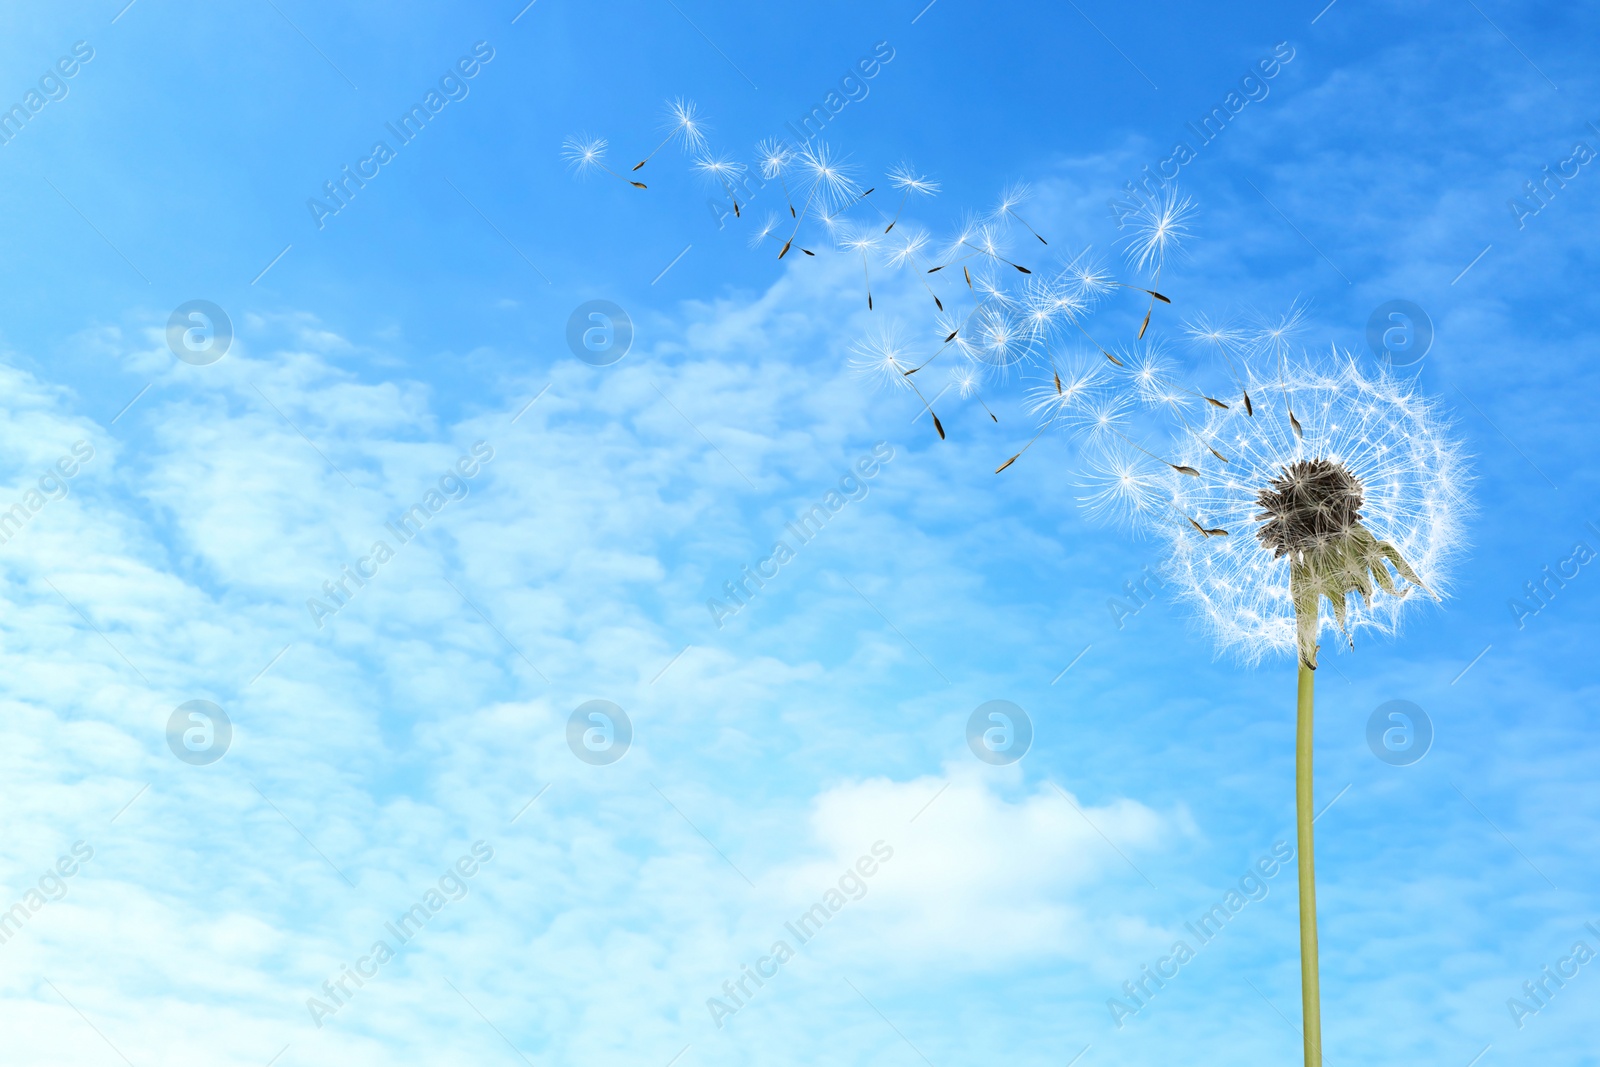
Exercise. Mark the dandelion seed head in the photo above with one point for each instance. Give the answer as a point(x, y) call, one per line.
point(1372, 454)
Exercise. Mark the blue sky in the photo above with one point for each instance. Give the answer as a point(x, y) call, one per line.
point(771, 754)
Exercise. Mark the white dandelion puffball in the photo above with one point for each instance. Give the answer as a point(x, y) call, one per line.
point(1409, 490)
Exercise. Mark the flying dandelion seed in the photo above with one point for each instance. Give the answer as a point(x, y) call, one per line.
point(908, 181)
point(862, 240)
point(584, 154)
point(826, 177)
point(1088, 278)
point(987, 243)
point(907, 250)
point(724, 172)
point(768, 230)
point(966, 382)
point(682, 123)
point(773, 158)
point(999, 340)
point(1125, 487)
point(1013, 196)
point(885, 356)
point(1158, 227)
point(1227, 342)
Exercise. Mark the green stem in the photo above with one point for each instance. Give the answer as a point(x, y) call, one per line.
point(1310, 995)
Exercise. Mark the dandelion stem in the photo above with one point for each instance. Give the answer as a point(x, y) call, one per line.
point(1310, 995)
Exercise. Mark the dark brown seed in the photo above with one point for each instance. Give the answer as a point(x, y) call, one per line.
point(1158, 296)
point(937, 425)
point(1058, 383)
point(639, 164)
point(869, 301)
point(1248, 409)
point(1216, 403)
point(639, 185)
point(939, 302)
point(1024, 270)
point(786, 245)
point(1190, 471)
point(1112, 358)
point(1008, 463)
point(992, 416)
point(808, 251)
point(952, 336)
point(933, 270)
point(1145, 325)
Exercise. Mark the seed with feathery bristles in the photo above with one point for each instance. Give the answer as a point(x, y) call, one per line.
point(682, 123)
point(585, 153)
